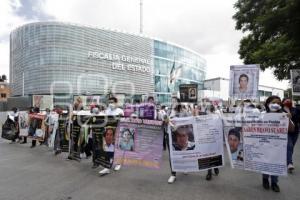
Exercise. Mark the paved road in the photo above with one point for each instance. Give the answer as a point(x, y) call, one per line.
point(36, 174)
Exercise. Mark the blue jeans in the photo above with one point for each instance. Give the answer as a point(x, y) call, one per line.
point(274, 179)
point(292, 139)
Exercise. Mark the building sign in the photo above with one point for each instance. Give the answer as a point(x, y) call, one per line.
point(123, 62)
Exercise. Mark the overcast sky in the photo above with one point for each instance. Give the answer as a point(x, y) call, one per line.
point(205, 26)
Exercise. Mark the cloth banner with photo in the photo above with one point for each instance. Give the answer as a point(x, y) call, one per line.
point(257, 142)
point(188, 93)
point(23, 123)
point(243, 82)
point(139, 142)
point(63, 131)
point(196, 143)
point(295, 80)
point(79, 130)
point(103, 135)
point(142, 111)
point(36, 126)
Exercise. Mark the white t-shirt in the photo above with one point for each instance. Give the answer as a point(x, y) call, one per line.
point(116, 111)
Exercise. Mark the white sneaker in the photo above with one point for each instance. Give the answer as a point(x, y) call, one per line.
point(104, 171)
point(291, 167)
point(117, 167)
point(172, 179)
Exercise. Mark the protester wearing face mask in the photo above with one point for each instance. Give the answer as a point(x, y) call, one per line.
point(113, 108)
point(273, 105)
point(292, 134)
point(115, 111)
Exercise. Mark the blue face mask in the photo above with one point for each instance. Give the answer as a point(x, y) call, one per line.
point(274, 107)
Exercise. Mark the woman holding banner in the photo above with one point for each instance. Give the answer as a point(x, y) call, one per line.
point(177, 111)
point(273, 105)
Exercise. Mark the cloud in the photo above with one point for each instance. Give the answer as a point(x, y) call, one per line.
point(204, 26)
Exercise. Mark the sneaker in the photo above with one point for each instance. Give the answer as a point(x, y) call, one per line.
point(266, 183)
point(275, 187)
point(23, 142)
point(57, 152)
point(104, 171)
point(171, 179)
point(32, 146)
point(117, 167)
point(290, 168)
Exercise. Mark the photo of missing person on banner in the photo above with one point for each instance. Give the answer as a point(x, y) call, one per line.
point(244, 81)
point(108, 139)
point(183, 138)
point(234, 139)
point(296, 80)
point(126, 141)
point(192, 93)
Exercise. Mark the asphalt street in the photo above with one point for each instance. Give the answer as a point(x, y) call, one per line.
point(36, 174)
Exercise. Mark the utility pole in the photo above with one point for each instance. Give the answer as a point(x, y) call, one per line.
point(141, 16)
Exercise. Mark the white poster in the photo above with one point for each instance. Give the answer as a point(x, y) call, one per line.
point(295, 80)
point(244, 81)
point(23, 123)
point(196, 143)
point(42, 101)
point(258, 142)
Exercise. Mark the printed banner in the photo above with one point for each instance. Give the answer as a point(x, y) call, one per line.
point(295, 80)
point(23, 123)
point(196, 143)
point(244, 81)
point(79, 130)
point(103, 133)
point(139, 142)
point(142, 111)
point(36, 129)
point(258, 142)
point(188, 93)
point(42, 101)
point(63, 131)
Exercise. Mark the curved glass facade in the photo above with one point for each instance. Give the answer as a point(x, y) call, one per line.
point(188, 66)
point(61, 58)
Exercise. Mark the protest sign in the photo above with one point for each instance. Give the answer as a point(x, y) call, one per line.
point(23, 123)
point(139, 142)
point(36, 129)
point(103, 133)
point(63, 131)
point(295, 80)
point(79, 130)
point(244, 81)
point(142, 111)
point(188, 93)
point(196, 143)
point(258, 142)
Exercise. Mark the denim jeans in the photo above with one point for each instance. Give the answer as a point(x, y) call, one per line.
point(274, 179)
point(292, 139)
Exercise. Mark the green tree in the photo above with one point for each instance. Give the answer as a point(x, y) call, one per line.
point(272, 29)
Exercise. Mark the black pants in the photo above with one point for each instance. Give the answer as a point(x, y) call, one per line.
point(88, 149)
point(168, 145)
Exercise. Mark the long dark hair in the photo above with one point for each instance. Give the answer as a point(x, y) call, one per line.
point(269, 100)
point(178, 107)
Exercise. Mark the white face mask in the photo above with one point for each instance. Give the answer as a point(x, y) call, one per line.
point(274, 107)
point(111, 106)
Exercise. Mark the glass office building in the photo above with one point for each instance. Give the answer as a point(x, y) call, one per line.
point(62, 59)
